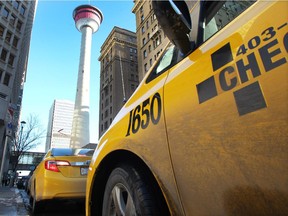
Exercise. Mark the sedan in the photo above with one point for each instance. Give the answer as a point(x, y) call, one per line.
point(61, 174)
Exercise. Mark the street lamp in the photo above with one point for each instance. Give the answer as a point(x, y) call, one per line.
point(20, 143)
point(21, 131)
point(5, 147)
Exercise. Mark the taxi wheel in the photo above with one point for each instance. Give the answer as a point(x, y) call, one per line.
point(128, 192)
point(36, 206)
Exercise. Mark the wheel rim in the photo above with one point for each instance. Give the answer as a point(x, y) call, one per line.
point(121, 202)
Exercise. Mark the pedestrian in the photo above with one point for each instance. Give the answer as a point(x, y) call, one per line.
point(4, 179)
point(12, 179)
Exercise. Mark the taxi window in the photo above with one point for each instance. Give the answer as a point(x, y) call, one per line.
point(71, 152)
point(167, 60)
point(218, 14)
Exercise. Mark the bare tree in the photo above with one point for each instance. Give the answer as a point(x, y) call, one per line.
point(28, 137)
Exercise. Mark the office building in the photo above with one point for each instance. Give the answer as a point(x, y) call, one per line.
point(118, 74)
point(150, 37)
point(16, 21)
point(59, 124)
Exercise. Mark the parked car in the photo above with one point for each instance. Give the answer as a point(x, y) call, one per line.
point(205, 133)
point(21, 181)
point(61, 175)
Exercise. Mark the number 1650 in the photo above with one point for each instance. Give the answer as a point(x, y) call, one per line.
point(141, 115)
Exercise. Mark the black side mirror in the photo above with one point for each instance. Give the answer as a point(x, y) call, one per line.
point(174, 18)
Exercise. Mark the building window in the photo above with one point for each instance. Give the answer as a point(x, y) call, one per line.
point(1, 73)
point(8, 37)
point(141, 9)
point(150, 62)
point(12, 20)
point(3, 96)
point(1, 31)
point(5, 13)
point(143, 29)
point(156, 42)
point(6, 79)
point(145, 68)
point(11, 59)
point(22, 10)
point(142, 18)
point(19, 25)
point(15, 4)
point(144, 41)
point(149, 48)
point(147, 24)
point(110, 110)
point(15, 41)
point(3, 55)
point(145, 53)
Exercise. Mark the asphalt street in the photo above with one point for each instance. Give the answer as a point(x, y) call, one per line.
point(15, 202)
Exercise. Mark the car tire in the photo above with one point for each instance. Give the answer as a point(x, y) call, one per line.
point(129, 192)
point(36, 206)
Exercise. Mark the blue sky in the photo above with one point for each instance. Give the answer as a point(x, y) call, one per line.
point(54, 56)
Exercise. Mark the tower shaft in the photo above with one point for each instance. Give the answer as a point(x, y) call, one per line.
point(80, 127)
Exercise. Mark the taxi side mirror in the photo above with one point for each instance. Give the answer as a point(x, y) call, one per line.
point(174, 18)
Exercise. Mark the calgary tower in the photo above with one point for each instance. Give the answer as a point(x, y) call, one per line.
point(87, 20)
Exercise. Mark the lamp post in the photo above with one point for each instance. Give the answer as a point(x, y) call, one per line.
point(21, 131)
point(12, 179)
point(8, 133)
point(3, 158)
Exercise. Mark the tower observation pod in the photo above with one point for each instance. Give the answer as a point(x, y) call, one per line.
point(87, 20)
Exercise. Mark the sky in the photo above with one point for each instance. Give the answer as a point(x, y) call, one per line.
point(55, 52)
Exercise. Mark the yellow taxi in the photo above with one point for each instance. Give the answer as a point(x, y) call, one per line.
point(61, 174)
point(206, 132)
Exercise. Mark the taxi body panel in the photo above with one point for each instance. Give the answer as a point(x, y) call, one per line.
point(142, 142)
point(228, 154)
point(219, 146)
point(66, 183)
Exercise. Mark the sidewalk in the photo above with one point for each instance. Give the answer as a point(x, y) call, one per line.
point(11, 202)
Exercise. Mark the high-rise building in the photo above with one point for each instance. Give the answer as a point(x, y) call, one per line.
point(59, 124)
point(118, 74)
point(150, 37)
point(16, 21)
point(87, 20)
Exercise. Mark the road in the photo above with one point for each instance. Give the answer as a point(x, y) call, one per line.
point(57, 207)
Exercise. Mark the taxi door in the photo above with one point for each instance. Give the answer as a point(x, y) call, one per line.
point(226, 113)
